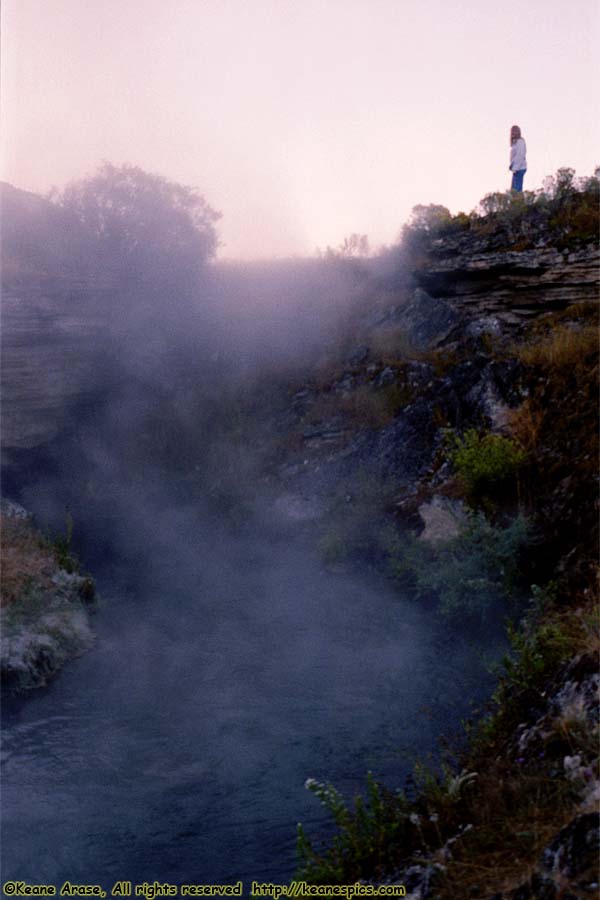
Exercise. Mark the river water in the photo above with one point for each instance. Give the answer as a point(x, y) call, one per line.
point(230, 665)
point(178, 748)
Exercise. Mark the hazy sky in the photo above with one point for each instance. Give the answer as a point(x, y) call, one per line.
point(302, 121)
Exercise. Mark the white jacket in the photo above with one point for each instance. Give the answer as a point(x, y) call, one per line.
point(518, 160)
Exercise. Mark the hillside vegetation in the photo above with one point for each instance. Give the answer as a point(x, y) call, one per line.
point(500, 518)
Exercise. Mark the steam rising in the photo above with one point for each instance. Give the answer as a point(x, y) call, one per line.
point(230, 664)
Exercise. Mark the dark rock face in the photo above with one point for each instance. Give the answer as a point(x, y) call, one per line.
point(476, 392)
point(426, 321)
point(54, 294)
point(47, 339)
point(575, 696)
point(400, 450)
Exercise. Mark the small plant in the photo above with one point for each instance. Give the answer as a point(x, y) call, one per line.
point(485, 462)
point(472, 574)
point(60, 544)
point(544, 640)
point(535, 654)
point(369, 835)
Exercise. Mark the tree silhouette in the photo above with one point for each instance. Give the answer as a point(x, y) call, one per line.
point(144, 226)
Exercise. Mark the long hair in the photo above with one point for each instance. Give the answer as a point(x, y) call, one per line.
point(515, 133)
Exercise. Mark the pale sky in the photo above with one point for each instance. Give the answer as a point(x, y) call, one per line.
point(302, 121)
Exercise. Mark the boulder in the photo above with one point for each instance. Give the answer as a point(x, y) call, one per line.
point(427, 321)
point(443, 519)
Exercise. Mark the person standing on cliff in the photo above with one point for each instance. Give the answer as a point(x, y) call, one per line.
point(518, 159)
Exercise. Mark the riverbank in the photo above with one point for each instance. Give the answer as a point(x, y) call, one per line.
point(492, 414)
point(45, 603)
point(527, 788)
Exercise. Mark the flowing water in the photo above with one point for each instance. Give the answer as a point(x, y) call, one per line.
point(230, 665)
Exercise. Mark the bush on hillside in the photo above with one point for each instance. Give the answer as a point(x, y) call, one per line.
point(485, 462)
point(472, 575)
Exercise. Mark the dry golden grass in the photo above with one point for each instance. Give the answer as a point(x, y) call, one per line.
point(558, 425)
point(525, 425)
point(492, 872)
point(564, 347)
point(361, 407)
point(25, 559)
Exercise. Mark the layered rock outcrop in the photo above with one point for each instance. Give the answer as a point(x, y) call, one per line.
point(48, 337)
point(53, 302)
point(511, 284)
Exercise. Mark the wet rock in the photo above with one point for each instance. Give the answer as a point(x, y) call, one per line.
point(329, 430)
point(487, 390)
point(382, 316)
point(303, 397)
point(421, 881)
point(74, 586)
point(576, 698)
point(403, 449)
point(34, 648)
point(486, 397)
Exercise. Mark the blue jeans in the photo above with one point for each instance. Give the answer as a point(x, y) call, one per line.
point(517, 180)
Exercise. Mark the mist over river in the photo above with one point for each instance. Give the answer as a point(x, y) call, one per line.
point(230, 663)
point(224, 675)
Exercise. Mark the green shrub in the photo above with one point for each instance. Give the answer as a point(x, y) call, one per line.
point(368, 837)
point(565, 212)
point(536, 655)
point(471, 574)
point(384, 829)
point(485, 462)
point(539, 643)
point(544, 640)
